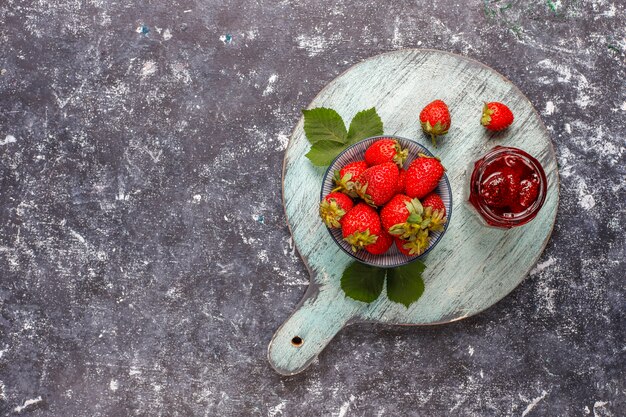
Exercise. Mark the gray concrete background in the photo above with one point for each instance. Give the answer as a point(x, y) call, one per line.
point(144, 256)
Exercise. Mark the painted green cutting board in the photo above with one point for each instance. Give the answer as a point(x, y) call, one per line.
point(473, 266)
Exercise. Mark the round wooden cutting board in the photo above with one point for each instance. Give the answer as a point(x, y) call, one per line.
point(473, 266)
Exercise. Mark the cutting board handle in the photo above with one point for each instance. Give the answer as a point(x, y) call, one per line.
point(322, 312)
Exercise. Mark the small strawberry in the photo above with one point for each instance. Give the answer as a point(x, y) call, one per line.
point(434, 201)
point(401, 181)
point(528, 192)
point(496, 116)
point(500, 189)
point(435, 119)
point(385, 150)
point(382, 245)
point(377, 184)
point(360, 227)
point(422, 176)
point(333, 207)
point(416, 246)
point(346, 177)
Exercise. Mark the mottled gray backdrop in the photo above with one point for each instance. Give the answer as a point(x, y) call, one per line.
point(144, 256)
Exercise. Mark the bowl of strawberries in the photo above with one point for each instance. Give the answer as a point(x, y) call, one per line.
point(386, 201)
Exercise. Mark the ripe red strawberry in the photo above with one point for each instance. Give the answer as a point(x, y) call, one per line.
point(346, 177)
point(385, 150)
point(377, 184)
point(333, 207)
point(401, 181)
point(501, 188)
point(395, 211)
point(435, 119)
point(434, 201)
point(496, 116)
point(422, 176)
point(360, 227)
point(382, 245)
point(528, 192)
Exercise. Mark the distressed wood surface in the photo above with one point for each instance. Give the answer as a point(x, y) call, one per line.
point(473, 266)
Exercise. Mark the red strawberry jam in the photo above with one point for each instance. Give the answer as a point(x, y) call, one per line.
point(507, 187)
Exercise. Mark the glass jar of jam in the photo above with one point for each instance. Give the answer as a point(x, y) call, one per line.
point(507, 187)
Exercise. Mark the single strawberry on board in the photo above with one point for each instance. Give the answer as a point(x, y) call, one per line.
point(422, 176)
point(360, 227)
point(333, 207)
point(496, 116)
point(377, 184)
point(435, 119)
point(382, 245)
point(385, 150)
point(345, 178)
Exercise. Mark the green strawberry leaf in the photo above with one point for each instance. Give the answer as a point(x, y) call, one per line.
point(322, 153)
point(405, 284)
point(322, 124)
point(362, 282)
point(365, 124)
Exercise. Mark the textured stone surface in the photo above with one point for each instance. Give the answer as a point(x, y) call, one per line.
point(144, 255)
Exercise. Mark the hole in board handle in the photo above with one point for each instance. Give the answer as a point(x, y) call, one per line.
point(297, 341)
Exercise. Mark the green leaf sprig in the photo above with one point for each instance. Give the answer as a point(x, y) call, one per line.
point(365, 283)
point(326, 131)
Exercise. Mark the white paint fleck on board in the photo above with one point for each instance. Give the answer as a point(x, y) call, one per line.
point(8, 139)
point(587, 202)
point(571, 75)
point(197, 198)
point(396, 41)
point(568, 128)
point(3, 391)
point(181, 73)
point(270, 85)
point(585, 199)
point(167, 35)
point(277, 409)
point(550, 108)
point(623, 106)
point(610, 12)
point(314, 44)
point(134, 371)
point(114, 385)
point(27, 404)
point(470, 350)
point(543, 265)
point(263, 256)
point(586, 410)
point(148, 69)
point(534, 403)
point(283, 141)
point(598, 405)
point(345, 406)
